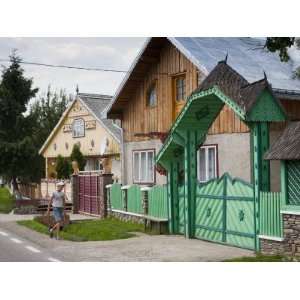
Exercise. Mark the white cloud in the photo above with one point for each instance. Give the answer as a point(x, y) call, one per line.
point(115, 53)
point(294, 54)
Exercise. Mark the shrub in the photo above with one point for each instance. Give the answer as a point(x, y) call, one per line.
point(62, 168)
point(76, 155)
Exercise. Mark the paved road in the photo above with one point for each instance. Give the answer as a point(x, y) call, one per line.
point(143, 247)
point(17, 249)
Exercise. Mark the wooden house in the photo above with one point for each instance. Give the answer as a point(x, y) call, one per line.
point(223, 210)
point(164, 74)
point(83, 123)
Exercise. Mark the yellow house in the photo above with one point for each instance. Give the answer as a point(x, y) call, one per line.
point(82, 123)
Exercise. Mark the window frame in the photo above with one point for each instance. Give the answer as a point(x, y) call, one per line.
point(139, 151)
point(175, 79)
point(78, 136)
point(152, 86)
point(206, 147)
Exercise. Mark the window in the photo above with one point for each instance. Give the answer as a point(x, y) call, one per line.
point(207, 163)
point(180, 88)
point(78, 128)
point(143, 166)
point(151, 96)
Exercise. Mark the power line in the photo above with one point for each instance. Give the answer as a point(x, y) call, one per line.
point(67, 67)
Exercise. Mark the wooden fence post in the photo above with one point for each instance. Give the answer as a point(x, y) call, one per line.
point(104, 180)
point(75, 193)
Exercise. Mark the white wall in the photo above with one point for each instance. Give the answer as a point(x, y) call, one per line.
point(233, 154)
point(128, 163)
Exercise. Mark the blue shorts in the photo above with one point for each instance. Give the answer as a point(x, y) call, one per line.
point(58, 214)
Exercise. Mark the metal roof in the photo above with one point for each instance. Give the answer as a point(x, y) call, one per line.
point(245, 55)
point(97, 104)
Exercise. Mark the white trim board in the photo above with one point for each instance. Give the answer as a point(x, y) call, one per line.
point(290, 212)
point(272, 238)
point(128, 213)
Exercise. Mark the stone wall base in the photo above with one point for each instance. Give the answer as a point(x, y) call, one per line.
point(290, 245)
point(271, 247)
point(152, 225)
point(127, 217)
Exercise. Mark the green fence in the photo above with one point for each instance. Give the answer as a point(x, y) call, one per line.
point(158, 202)
point(130, 199)
point(134, 199)
point(270, 218)
point(115, 196)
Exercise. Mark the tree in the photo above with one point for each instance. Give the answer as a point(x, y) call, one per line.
point(281, 44)
point(76, 155)
point(62, 168)
point(46, 112)
point(16, 144)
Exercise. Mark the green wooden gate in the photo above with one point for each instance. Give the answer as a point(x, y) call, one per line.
point(224, 212)
point(181, 208)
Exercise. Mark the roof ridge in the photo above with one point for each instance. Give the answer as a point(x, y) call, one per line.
point(233, 70)
point(255, 82)
point(90, 95)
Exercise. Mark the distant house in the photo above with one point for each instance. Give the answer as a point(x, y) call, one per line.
point(83, 123)
point(165, 73)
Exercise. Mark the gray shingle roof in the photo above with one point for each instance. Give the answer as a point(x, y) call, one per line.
point(235, 86)
point(97, 103)
point(245, 55)
point(287, 146)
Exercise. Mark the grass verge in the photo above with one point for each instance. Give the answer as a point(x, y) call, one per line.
point(91, 230)
point(7, 202)
point(263, 258)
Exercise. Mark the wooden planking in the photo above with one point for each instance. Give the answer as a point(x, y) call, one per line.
point(227, 122)
point(292, 108)
point(139, 118)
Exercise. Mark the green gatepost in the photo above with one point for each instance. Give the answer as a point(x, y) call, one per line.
point(190, 182)
point(283, 179)
point(261, 168)
point(173, 197)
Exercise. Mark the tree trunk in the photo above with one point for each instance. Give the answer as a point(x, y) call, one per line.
point(16, 188)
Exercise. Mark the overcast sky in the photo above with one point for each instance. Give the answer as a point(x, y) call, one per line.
point(115, 53)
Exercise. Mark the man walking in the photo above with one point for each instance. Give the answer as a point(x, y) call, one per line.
point(58, 203)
